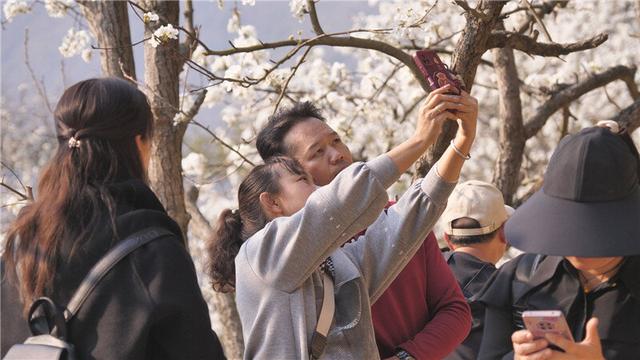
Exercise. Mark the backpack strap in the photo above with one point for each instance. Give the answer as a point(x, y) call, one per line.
point(319, 338)
point(104, 265)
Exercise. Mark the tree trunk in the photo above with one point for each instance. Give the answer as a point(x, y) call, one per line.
point(466, 58)
point(109, 24)
point(224, 304)
point(162, 77)
point(506, 175)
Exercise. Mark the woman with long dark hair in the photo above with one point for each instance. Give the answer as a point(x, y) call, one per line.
point(288, 236)
point(92, 194)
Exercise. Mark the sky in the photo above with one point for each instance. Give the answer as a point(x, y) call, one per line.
point(272, 20)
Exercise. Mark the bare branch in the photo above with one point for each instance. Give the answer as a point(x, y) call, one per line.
point(188, 115)
point(573, 92)
point(329, 40)
point(313, 14)
point(199, 225)
point(217, 138)
point(538, 20)
point(506, 175)
point(476, 13)
point(39, 86)
point(629, 118)
point(528, 45)
point(545, 9)
point(293, 72)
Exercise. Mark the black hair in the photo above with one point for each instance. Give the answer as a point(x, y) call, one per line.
point(97, 121)
point(469, 223)
point(234, 227)
point(270, 140)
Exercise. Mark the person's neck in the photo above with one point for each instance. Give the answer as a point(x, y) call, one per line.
point(481, 251)
point(592, 278)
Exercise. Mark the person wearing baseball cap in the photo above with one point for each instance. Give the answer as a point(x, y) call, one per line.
point(581, 235)
point(474, 230)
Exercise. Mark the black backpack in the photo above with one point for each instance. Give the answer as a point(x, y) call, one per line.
point(49, 326)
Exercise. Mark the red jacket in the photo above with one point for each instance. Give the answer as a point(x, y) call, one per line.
point(423, 311)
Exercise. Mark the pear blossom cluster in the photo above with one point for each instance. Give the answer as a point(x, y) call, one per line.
point(163, 34)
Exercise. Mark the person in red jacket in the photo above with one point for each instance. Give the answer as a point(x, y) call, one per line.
point(422, 314)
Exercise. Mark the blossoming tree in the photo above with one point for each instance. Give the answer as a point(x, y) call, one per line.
point(539, 69)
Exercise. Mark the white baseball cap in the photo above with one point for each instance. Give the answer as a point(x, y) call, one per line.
point(477, 200)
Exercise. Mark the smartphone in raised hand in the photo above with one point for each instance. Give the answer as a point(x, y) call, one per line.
point(544, 322)
point(436, 72)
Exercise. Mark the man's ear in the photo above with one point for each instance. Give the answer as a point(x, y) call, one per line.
point(501, 237)
point(448, 241)
point(270, 205)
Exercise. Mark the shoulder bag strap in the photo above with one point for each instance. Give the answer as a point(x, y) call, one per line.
point(102, 267)
point(319, 338)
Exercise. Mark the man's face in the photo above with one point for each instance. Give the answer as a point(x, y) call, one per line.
point(319, 150)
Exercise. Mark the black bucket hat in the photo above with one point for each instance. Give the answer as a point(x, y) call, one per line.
point(589, 205)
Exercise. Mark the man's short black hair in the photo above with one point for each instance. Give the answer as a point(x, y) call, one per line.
point(469, 223)
point(270, 140)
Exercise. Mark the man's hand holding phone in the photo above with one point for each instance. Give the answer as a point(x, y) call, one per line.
point(527, 347)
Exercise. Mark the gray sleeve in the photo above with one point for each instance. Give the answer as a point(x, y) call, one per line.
point(289, 249)
point(390, 242)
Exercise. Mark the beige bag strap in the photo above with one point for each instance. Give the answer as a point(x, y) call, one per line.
point(319, 338)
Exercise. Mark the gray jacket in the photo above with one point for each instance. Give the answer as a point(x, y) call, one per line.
point(279, 287)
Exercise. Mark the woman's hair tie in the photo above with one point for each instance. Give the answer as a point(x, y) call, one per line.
point(73, 143)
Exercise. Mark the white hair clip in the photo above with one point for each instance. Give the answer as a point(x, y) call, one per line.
point(73, 143)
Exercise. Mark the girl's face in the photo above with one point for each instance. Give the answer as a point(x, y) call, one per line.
point(294, 191)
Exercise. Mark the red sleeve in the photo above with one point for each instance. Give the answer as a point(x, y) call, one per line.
point(451, 317)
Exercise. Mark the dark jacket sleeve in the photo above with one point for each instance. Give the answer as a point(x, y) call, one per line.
point(498, 321)
point(180, 327)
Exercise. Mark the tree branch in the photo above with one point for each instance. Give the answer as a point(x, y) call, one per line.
point(313, 14)
point(545, 9)
point(332, 40)
point(199, 225)
point(467, 8)
point(217, 138)
point(571, 93)
point(629, 117)
point(528, 45)
point(506, 175)
point(293, 72)
point(538, 20)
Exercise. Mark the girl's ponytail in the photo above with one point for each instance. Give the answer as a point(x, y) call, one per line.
point(223, 248)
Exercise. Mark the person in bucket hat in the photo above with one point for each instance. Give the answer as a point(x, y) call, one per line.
point(474, 231)
point(581, 235)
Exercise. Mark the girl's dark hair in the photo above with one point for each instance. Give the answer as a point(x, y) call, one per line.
point(234, 227)
point(96, 123)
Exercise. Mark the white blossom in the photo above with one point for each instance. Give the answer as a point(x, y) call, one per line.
point(163, 34)
point(74, 43)
point(194, 165)
point(57, 8)
point(249, 2)
point(233, 25)
point(150, 17)
point(298, 8)
point(86, 55)
point(12, 8)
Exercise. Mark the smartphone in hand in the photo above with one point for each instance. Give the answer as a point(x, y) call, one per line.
point(546, 322)
point(436, 72)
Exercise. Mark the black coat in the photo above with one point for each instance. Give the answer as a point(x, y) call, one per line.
point(148, 307)
point(472, 275)
point(554, 285)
